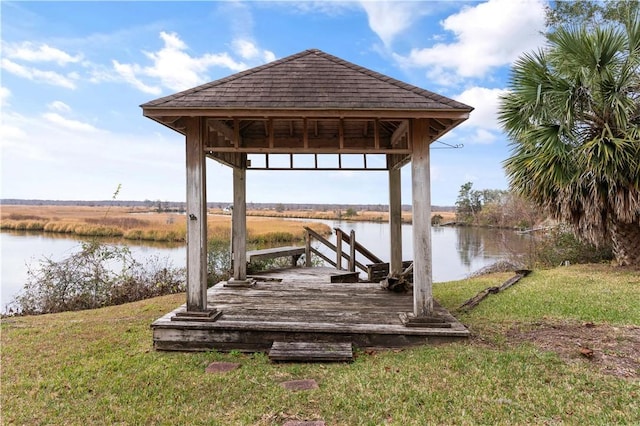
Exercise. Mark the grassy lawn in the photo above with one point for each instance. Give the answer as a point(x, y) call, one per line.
point(99, 367)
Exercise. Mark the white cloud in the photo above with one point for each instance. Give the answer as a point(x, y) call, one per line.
point(27, 51)
point(176, 69)
point(128, 73)
point(249, 51)
point(491, 34)
point(34, 74)
point(62, 150)
point(482, 136)
point(5, 94)
point(486, 102)
point(68, 124)
point(389, 18)
point(59, 106)
point(9, 132)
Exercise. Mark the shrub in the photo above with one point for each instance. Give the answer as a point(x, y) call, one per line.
point(98, 275)
point(559, 245)
point(218, 261)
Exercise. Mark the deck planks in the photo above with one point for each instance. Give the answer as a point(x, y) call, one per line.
point(311, 352)
point(302, 305)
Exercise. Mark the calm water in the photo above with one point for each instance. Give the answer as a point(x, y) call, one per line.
point(456, 251)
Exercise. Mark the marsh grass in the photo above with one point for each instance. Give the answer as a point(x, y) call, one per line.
point(106, 371)
point(137, 224)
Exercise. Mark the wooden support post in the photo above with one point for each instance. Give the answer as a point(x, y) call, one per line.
point(339, 249)
point(395, 222)
point(421, 193)
point(352, 252)
point(239, 231)
point(196, 224)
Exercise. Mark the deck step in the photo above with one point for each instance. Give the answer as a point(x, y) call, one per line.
point(311, 352)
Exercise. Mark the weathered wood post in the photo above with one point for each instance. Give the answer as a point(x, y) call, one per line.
point(307, 249)
point(197, 218)
point(421, 193)
point(239, 231)
point(395, 221)
point(352, 252)
point(339, 249)
point(196, 226)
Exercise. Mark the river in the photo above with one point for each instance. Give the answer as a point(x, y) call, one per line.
point(457, 252)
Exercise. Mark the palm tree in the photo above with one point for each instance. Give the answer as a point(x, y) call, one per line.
point(573, 119)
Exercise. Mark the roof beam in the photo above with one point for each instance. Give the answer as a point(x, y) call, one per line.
point(224, 130)
point(399, 133)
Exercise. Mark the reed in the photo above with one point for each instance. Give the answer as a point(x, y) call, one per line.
point(131, 224)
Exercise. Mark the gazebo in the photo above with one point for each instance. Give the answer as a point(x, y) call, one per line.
point(306, 106)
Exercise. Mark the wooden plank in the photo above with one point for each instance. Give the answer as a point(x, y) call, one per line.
point(330, 148)
point(311, 352)
point(275, 252)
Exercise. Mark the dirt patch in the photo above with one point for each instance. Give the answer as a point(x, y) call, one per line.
point(612, 350)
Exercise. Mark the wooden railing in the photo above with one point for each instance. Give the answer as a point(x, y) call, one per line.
point(340, 254)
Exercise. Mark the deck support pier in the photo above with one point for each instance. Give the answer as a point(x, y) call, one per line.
point(395, 222)
point(421, 193)
point(196, 226)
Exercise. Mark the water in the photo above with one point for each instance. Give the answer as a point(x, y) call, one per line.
point(457, 252)
point(18, 250)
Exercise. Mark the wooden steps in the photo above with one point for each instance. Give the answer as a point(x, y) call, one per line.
point(311, 352)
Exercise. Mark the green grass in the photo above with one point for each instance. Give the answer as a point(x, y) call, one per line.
point(98, 367)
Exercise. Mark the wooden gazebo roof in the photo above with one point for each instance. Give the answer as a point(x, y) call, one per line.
point(308, 103)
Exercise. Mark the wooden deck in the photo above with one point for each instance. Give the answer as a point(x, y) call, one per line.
point(302, 305)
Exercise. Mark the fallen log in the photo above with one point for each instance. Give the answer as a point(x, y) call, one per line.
point(475, 300)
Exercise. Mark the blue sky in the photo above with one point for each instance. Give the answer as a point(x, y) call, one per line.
point(73, 75)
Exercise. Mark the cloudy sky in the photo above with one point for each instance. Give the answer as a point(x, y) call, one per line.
point(74, 75)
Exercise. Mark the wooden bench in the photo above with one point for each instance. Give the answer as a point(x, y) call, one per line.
point(275, 252)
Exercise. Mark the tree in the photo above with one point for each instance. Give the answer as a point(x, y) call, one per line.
point(468, 204)
point(573, 118)
point(590, 13)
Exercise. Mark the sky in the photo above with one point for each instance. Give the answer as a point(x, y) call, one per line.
point(74, 74)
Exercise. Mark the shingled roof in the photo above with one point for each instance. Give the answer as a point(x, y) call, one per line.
point(310, 80)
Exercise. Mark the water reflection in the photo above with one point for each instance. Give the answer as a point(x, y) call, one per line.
point(456, 252)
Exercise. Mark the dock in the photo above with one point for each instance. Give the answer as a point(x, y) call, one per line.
point(304, 305)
